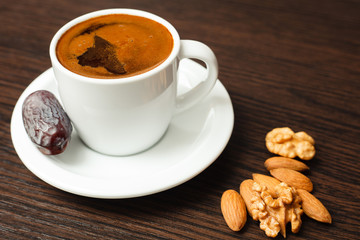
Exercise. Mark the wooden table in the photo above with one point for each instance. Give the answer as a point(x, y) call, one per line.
point(284, 63)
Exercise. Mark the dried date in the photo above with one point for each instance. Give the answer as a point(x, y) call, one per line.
point(46, 122)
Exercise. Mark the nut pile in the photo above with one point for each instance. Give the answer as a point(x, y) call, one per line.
point(282, 198)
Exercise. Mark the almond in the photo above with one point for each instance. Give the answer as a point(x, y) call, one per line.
point(246, 192)
point(267, 181)
point(313, 208)
point(233, 209)
point(292, 178)
point(283, 162)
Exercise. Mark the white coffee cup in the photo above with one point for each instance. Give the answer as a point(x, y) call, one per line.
point(128, 115)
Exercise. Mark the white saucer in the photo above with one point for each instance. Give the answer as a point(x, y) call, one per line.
point(194, 140)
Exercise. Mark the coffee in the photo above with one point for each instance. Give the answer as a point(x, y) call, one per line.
point(114, 46)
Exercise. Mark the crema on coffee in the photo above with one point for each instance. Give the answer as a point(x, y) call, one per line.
point(114, 46)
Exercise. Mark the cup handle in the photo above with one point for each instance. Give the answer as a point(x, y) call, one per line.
point(197, 50)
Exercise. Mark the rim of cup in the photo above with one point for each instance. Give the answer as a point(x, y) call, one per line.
point(174, 52)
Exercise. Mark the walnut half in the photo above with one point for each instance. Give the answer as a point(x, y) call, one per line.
point(275, 213)
point(286, 143)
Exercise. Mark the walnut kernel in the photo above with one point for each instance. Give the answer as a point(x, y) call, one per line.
point(286, 143)
point(275, 213)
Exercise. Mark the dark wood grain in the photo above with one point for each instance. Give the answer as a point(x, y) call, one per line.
point(284, 63)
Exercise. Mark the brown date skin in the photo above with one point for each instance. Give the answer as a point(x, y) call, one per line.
point(46, 122)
